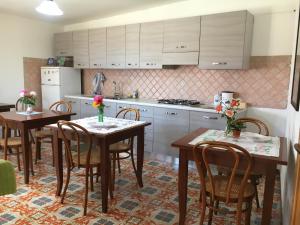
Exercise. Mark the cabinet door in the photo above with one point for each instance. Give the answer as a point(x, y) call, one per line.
point(110, 109)
point(63, 44)
point(87, 110)
point(182, 35)
point(222, 40)
point(133, 46)
point(97, 48)
point(116, 47)
point(206, 120)
point(75, 103)
point(81, 49)
point(151, 44)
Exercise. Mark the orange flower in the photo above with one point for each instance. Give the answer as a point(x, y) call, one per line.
point(234, 103)
point(96, 104)
point(229, 113)
point(219, 108)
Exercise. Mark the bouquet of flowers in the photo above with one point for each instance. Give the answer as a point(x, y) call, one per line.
point(229, 110)
point(28, 98)
point(98, 104)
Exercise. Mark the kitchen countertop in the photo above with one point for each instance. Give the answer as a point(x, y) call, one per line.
point(152, 102)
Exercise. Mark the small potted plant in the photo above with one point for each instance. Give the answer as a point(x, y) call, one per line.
point(28, 99)
point(229, 110)
point(98, 104)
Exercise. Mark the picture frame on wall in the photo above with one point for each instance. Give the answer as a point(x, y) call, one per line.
point(295, 97)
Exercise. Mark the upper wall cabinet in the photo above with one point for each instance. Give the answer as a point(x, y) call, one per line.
point(81, 49)
point(151, 44)
point(181, 41)
point(63, 44)
point(116, 47)
point(225, 41)
point(97, 48)
point(133, 46)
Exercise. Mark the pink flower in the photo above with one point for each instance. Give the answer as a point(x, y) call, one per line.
point(98, 99)
point(229, 113)
point(23, 93)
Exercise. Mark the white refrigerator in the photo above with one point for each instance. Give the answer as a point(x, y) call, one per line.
point(58, 82)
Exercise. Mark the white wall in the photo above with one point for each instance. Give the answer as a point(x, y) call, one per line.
point(273, 20)
point(21, 37)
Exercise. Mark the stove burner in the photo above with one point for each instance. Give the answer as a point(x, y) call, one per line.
point(178, 102)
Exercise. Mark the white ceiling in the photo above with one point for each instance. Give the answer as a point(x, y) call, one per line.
point(79, 10)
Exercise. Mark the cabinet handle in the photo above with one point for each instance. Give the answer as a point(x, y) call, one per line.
point(219, 63)
point(143, 110)
point(95, 64)
point(147, 64)
point(113, 64)
point(107, 106)
point(129, 64)
point(182, 46)
point(49, 79)
point(209, 118)
point(78, 64)
point(122, 107)
point(171, 113)
point(87, 103)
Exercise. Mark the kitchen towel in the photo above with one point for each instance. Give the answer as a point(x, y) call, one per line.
point(7, 178)
point(255, 143)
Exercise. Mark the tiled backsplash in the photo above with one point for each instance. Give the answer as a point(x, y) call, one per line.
point(265, 84)
point(32, 76)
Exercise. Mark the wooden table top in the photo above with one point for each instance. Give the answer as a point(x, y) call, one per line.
point(183, 143)
point(13, 116)
point(5, 106)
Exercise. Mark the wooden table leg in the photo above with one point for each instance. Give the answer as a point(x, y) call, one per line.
point(26, 151)
point(140, 156)
point(37, 147)
point(58, 159)
point(182, 184)
point(268, 194)
point(105, 171)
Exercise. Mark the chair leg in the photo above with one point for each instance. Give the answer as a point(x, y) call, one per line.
point(37, 149)
point(5, 153)
point(119, 165)
point(18, 158)
point(111, 193)
point(91, 178)
point(239, 212)
point(210, 213)
point(248, 213)
point(86, 191)
point(66, 186)
point(217, 207)
point(98, 174)
point(203, 209)
point(132, 160)
point(52, 145)
point(31, 160)
point(253, 181)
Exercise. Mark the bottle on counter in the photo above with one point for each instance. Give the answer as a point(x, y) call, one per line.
point(135, 94)
point(217, 99)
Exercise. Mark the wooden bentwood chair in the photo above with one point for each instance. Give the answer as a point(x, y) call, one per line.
point(231, 188)
point(44, 134)
point(82, 155)
point(123, 149)
point(9, 143)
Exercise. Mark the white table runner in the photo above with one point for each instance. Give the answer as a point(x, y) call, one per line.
point(253, 142)
point(110, 124)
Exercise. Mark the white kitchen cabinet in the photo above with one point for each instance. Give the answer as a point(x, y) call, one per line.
point(75, 103)
point(81, 49)
point(63, 44)
point(97, 48)
point(132, 46)
point(110, 109)
point(151, 45)
point(116, 47)
point(225, 40)
point(169, 125)
point(87, 110)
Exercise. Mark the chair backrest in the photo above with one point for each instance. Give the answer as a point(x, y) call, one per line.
point(4, 125)
point(72, 132)
point(19, 105)
point(124, 112)
point(205, 152)
point(61, 106)
point(261, 126)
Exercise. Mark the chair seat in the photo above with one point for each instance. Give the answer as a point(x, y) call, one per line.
point(12, 141)
point(221, 183)
point(95, 156)
point(119, 147)
point(45, 133)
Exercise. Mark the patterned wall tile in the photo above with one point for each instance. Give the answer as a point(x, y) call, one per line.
point(265, 84)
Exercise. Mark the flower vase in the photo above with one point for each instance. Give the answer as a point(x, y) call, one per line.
point(100, 115)
point(236, 133)
point(29, 109)
point(228, 128)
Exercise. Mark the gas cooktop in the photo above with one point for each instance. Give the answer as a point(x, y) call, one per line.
point(179, 102)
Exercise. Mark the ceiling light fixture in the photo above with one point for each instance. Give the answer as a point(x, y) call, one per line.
point(49, 7)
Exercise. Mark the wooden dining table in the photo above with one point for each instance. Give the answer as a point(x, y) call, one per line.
point(266, 165)
point(24, 123)
point(103, 138)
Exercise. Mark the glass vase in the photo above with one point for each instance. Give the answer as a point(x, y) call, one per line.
point(28, 108)
point(100, 114)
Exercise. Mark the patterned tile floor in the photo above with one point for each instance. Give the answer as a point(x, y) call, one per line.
point(156, 203)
